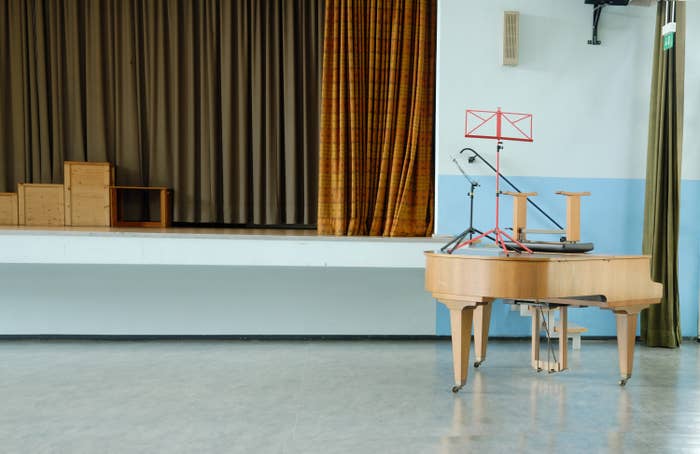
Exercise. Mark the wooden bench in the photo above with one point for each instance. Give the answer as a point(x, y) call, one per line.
point(573, 331)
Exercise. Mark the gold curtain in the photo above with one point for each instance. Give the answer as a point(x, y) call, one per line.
point(661, 326)
point(216, 99)
point(376, 162)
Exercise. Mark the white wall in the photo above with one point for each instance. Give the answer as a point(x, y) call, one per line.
point(590, 103)
point(691, 128)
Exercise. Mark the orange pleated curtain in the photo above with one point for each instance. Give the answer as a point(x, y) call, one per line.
point(376, 159)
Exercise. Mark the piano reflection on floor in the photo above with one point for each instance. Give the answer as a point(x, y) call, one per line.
point(543, 421)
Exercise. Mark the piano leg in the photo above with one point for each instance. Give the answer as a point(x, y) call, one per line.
point(482, 321)
point(461, 327)
point(626, 334)
point(563, 338)
point(536, 328)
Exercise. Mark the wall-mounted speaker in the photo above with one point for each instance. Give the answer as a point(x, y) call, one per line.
point(510, 37)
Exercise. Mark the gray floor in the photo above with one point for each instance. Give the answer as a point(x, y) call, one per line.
point(326, 397)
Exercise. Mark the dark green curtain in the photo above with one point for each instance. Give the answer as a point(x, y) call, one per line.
point(216, 99)
point(661, 323)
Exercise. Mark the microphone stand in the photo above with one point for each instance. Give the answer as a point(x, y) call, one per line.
point(455, 241)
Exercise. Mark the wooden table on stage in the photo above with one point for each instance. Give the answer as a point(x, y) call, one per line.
point(468, 281)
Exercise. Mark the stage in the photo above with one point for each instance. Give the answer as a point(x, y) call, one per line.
point(220, 282)
point(208, 246)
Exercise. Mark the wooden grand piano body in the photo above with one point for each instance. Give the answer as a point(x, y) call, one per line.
point(468, 281)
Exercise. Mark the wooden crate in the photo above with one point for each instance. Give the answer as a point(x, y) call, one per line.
point(40, 204)
point(165, 210)
point(87, 193)
point(8, 208)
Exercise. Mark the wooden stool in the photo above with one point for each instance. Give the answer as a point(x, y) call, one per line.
point(573, 331)
point(520, 213)
point(573, 214)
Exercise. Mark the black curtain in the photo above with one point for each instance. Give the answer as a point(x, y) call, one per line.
point(216, 99)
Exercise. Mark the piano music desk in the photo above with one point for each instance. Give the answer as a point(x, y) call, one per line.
point(469, 280)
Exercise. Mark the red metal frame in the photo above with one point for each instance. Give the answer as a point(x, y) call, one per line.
point(512, 118)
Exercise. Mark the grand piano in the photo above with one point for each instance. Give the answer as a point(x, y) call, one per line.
point(468, 282)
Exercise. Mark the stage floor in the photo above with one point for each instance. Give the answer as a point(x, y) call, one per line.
point(199, 231)
point(166, 231)
point(208, 246)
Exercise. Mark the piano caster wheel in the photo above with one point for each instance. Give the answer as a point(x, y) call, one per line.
point(623, 381)
point(477, 364)
point(455, 389)
point(539, 369)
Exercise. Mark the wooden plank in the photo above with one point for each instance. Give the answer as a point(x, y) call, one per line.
point(142, 188)
point(9, 211)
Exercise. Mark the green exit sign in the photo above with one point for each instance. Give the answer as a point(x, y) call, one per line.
point(668, 41)
point(668, 31)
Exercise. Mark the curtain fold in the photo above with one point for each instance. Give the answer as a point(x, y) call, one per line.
point(216, 99)
point(376, 163)
point(661, 323)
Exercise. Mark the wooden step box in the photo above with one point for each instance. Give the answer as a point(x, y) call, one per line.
point(40, 204)
point(9, 214)
point(87, 193)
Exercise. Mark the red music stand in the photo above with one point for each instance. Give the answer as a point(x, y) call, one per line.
point(518, 127)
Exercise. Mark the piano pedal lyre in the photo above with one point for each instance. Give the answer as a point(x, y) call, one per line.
point(543, 317)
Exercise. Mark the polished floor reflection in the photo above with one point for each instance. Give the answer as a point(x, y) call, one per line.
point(344, 397)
